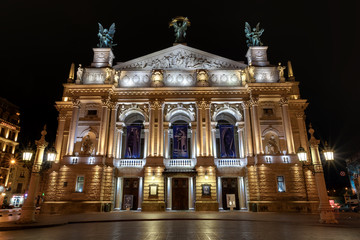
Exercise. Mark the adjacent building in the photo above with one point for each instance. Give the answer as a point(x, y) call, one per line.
point(13, 175)
point(181, 129)
point(353, 167)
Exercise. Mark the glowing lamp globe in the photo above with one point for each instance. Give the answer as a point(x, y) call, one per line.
point(51, 154)
point(27, 154)
point(328, 153)
point(302, 154)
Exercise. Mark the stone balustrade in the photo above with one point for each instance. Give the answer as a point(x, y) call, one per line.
point(133, 163)
point(230, 162)
point(180, 163)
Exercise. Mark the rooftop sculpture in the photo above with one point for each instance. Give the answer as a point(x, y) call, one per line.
point(180, 25)
point(253, 35)
point(106, 36)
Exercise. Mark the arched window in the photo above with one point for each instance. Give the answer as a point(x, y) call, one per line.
point(180, 135)
point(133, 137)
point(226, 136)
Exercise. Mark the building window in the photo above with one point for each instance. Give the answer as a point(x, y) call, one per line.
point(74, 160)
point(268, 112)
point(268, 159)
point(79, 184)
point(286, 159)
point(281, 184)
point(92, 112)
point(19, 188)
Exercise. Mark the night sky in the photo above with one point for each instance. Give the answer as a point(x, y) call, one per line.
point(40, 40)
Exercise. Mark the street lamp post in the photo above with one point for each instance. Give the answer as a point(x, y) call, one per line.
point(28, 209)
point(326, 212)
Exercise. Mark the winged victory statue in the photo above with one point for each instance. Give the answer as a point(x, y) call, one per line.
point(106, 36)
point(180, 25)
point(253, 35)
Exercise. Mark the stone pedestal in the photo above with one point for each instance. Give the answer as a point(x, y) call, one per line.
point(103, 57)
point(257, 56)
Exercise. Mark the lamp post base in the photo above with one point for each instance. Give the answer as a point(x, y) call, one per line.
point(27, 215)
point(327, 216)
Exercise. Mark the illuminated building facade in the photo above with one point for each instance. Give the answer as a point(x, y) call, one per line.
point(180, 129)
point(13, 176)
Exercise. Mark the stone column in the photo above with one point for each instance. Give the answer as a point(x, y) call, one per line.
point(200, 138)
point(160, 131)
point(152, 127)
point(256, 125)
point(141, 192)
point(204, 130)
point(119, 188)
point(242, 193)
point(113, 107)
point(73, 126)
point(191, 193)
point(248, 137)
point(166, 140)
point(208, 131)
point(219, 193)
point(287, 125)
point(194, 147)
point(326, 212)
point(60, 135)
point(103, 127)
point(169, 194)
point(213, 137)
point(146, 139)
point(240, 132)
point(302, 130)
point(119, 140)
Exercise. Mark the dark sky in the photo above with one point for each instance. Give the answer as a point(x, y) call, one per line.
point(40, 40)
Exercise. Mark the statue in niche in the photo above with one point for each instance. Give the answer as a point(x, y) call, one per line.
point(79, 73)
point(106, 36)
point(87, 146)
point(253, 35)
point(272, 146)
point(180, 25)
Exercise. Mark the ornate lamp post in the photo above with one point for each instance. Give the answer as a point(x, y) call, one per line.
point(28, 209)
point(326, 212)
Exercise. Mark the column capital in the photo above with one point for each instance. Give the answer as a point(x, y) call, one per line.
point(76, 102)
point(284, 101)
point(203, 103)
point(300, 115)
point(245, 104)
point(254, 100)
point(213, 125)
point(156, 104)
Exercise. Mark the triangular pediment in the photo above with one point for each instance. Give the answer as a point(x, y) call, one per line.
point(180, 57)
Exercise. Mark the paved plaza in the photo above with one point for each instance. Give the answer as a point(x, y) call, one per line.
point(182, 225)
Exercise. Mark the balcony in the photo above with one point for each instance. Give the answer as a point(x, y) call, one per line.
point(230, 162)
point(130, 163)
point(179, 163)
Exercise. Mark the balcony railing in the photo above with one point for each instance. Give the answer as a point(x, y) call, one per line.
point(134, 163)
point(180, 163)
point(230, 162)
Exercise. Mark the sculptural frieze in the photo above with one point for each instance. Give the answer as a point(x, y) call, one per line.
point(181, 59)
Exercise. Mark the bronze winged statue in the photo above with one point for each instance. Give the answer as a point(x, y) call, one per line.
point(180, 25)
point(106, 36)
point(253, 35)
